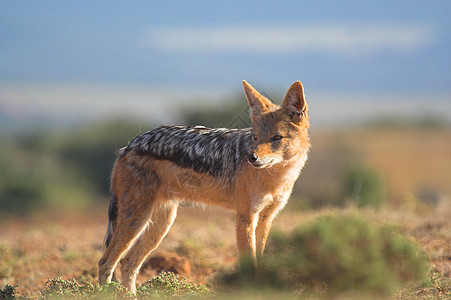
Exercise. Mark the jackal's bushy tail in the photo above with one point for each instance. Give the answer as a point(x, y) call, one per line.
point(112, 217)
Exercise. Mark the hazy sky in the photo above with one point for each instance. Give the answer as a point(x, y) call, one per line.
point(116, 54)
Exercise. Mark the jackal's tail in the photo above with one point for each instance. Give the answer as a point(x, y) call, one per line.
point(112, 217)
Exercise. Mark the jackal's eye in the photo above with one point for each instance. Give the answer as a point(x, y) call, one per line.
point(277, 137)
point(254, 137)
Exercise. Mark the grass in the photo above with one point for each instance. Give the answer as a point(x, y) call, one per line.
point(69, 246)
point(165, 285)
point(435, 286)
point(168, 285)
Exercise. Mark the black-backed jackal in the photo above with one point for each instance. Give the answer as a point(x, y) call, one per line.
point(250, 171)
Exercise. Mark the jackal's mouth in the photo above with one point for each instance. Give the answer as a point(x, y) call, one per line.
point(260, 163)
point(257, 165)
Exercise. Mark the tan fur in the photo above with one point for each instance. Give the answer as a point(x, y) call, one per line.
point(149, 189)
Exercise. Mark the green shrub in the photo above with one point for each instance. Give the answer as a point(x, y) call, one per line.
point(21, 187)
point(231, 114)
point(8, 293)
point(162, 286)
point(90, 151)
point(39, 169)
point(338, 253)
point(21, 195)
point(60, 288)
point(170, 285)
point(363, 186)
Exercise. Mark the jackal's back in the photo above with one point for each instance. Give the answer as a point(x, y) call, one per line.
point(218, 152)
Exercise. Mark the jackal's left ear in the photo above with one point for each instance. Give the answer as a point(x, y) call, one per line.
point(294, 102)
point(258, 103)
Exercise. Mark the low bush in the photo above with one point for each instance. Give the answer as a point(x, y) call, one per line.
point(336, 254)
point(170, 285)
point(162, 286)
point(165, 285)
point(8, 293)
point(362, 186)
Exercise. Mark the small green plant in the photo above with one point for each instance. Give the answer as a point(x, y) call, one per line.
point(8, 293)
point(58, 287)
point(336, 254)
point(170, 285)
point(164, 285)
point(112, 290)
point(62, 289)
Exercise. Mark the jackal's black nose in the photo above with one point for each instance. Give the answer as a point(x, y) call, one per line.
point(252, 158)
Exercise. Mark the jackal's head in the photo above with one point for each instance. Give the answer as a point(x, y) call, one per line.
point(280, 133)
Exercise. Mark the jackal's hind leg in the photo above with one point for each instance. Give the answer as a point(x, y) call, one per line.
point(128, 229)
point(163, 217)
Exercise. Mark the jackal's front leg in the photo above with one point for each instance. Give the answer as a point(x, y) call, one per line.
point(265, 219)
point(245, 236)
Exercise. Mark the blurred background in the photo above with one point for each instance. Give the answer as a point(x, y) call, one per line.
point(79, 79)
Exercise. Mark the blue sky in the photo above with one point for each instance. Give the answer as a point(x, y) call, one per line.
point(358, 49)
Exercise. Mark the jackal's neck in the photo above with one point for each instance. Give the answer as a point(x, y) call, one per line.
point(280, 178)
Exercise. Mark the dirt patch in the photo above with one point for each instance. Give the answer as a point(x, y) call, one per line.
point(167, 262)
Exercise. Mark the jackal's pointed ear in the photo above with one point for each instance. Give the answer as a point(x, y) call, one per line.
point(257, 103)
point(294, 102)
